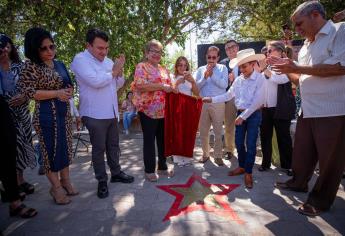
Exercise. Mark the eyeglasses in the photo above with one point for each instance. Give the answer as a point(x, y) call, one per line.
point(157, 52)
point(51, 47)
point(213, 58)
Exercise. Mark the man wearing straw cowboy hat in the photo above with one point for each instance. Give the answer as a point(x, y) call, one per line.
point(248, 90)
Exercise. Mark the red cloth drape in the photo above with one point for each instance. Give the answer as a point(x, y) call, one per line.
point(182, 114)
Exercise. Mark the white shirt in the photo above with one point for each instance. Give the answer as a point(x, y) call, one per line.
point(271, 88)
point(249, 94)
point(185, 88)
point(323, 97)
point(97, 87)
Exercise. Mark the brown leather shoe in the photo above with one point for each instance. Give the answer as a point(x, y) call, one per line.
point(248, 180)
point(309, 210)
point(237, 171)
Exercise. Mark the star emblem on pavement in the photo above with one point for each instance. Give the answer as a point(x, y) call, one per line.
point(199, 195)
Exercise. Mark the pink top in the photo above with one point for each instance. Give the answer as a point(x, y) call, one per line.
point(150, 103)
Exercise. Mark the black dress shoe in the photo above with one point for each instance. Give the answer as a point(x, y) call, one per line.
point(122, 177)
point(261, 168)
point(102, 191)
point(285, 186)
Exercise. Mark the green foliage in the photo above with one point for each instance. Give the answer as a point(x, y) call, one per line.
point(250, 20)
point(129, 24)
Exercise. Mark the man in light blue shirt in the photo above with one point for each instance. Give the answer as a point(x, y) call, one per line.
point(99, 79)
point(212, 80)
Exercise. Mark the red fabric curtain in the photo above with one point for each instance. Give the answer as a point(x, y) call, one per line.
point(182, 114)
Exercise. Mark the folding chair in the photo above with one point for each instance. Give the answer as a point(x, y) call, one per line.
point(79, 135)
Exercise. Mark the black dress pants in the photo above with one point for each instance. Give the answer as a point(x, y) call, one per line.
point(8, 142)
point(282, 128)
point(153, 130)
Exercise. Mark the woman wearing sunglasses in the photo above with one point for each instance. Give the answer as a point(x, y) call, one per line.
point(47, 82)
point(278, 111)
point(10, 66)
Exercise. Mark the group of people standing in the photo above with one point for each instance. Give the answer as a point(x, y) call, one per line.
point(247, 92)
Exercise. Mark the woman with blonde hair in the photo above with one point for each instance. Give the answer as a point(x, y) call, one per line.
point(183, 79)
point(151, 83)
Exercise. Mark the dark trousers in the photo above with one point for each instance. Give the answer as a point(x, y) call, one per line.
point(319, 140)
point(153, 130)
point(104, 137)
point(8, 142)
point(245, 140)
point(282, 128)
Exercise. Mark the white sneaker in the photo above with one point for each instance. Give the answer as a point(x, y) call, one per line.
point(127, 132)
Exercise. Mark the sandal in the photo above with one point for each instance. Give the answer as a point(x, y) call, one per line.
point(170, 172)
point(23, 211)
point(309, 210)
point(59, 196)
point(152, 177)
point(68, 187)
point(26, 188)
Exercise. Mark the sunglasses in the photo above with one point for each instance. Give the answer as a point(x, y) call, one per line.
point(51, 47)
point(213, 58)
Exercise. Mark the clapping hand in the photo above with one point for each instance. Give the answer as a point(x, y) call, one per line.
point(209, 71)
point(282, 65)
point(119, 65)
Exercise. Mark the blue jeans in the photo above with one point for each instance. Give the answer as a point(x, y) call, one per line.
point(127, 119)
point(245, 140)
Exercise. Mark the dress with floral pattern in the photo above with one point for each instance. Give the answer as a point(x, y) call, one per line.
point(150, 103)
point(52, 117)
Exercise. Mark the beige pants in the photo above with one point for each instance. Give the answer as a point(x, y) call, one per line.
point(229, 122)
point(212, 113)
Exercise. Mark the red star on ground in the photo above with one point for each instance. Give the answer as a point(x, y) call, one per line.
point(199, 195)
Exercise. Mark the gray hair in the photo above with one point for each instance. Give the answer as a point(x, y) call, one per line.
point(306, 8)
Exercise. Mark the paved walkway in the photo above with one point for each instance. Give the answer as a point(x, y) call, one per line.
point(139, 208)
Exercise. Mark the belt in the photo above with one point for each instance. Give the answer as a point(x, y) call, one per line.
point(242, 110)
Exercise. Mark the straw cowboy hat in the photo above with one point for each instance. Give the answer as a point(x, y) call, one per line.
point(244, 56)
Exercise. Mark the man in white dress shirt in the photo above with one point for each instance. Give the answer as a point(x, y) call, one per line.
point(99, 78)
point(320, 131)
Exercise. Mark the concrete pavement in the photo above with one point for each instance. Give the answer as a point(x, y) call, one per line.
point(139, 208)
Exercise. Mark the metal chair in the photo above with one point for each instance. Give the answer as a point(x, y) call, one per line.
point(79, 135)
